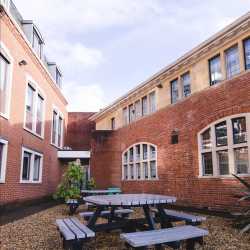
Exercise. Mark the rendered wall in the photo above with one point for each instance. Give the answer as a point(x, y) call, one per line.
point(178, 166)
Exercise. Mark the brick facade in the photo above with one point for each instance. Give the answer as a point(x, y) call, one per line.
point(178, 166)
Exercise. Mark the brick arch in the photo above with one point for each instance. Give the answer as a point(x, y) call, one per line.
point(222, 114)
point(138, 140)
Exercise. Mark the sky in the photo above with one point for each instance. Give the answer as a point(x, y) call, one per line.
point(105, 48)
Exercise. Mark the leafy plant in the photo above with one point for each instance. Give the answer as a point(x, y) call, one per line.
point(244, 219)
point(70, 186)
point(90, 184)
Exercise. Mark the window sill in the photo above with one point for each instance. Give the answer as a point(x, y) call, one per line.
point(30, 182)
point(30, 131)
point(4, 116)
point(223, 176)
point(2, 181)
point(155, 179)
point(55, 146)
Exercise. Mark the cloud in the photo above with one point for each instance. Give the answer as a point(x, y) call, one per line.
point(83, 98)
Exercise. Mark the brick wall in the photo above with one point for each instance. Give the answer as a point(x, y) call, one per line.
point(12, 190)
point(79, 130)
point(178, 167)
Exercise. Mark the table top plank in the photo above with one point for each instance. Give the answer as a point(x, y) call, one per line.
point(105, 191)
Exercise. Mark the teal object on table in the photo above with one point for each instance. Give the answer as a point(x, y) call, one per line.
point(113, 189)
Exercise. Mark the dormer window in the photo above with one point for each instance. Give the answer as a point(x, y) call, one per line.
point(55, 73)
point(58, 78)
point(36, 44)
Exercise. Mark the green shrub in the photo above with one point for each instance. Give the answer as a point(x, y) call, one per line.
point(244, 219)
point(90, 184)
point(70, 186)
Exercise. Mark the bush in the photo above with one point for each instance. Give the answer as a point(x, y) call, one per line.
point(70, 186)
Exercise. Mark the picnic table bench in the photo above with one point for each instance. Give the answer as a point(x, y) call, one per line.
point(74, 204)
point(176, 216)
point(123, 212)
point(74, 233)
point(168, 236)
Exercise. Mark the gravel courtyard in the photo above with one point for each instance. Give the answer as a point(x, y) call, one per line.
point(39, 231)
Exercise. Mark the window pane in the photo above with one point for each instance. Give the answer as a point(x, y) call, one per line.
point(221, 134)
point(241, 161)
point(232, 62)
point(1, 155)
point(137, 110)
point(153, 169)
point(54, 121)
point(131, 113)
point(215, 70)
point(29, 105)
point(58, 78)
point(145, 170)
point(152, 152)
point(125, 172)
point(138, 171)
point(137, 152)
point(223, 162)
point(207, 163)
point(125, 157)
point(36, 168)
point(145, 151)
point(239, 130)
point(206, 139)
point(125, 116)
point(174, 91)
point(113, 123)
point(152, 102)
point(36, 44)
point(26, 166)
point(60, 126)
point(144, 106)
point(186, 85)
point(39, 108)
point(131, 171)
point(131, 154)
point(247, 53)
point(3, 74)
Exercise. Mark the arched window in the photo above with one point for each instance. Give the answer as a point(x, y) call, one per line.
point(223, 147)
point(139, 162)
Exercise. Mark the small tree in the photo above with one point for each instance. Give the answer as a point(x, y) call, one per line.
point(70, 186)
point(90, 184)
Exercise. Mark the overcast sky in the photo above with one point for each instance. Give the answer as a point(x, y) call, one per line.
point(105, 48)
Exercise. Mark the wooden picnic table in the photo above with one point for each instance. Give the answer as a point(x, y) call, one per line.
point(129, 200)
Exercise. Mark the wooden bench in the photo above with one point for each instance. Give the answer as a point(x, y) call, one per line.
point(123, 212)
point(176, 216)
point(74, 204)
point(74, 233)
point(168, 236)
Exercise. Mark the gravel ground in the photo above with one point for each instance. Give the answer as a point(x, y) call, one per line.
point(39, 231)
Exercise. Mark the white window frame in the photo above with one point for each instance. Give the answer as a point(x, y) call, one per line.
point(32, 162)
point(140, 160)
point(59, 114)
point(29, 79)
point(230, 147)
point(4, 159)
point(8, 82)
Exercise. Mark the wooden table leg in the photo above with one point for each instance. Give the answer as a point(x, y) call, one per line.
point(94, 217)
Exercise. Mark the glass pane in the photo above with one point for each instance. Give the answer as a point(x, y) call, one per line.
point(125, 116)
point(131, 154)
point(239, 130)
point(174, 91)
point(215, 70)
point(145, 151)
point(153, 169)
point(145, 170)
point(26, 166)
point(232, 62)
point(186, 85)
point(223, 162)
point(39, 108)
point(54, 121)
point(131, 171)
point(125, 167)
point(207, 163)
point(241, 160)
point(137, 110)
point(3, 74)
point(152, 102)
point(152, 152)
point(247, 53)
point(125, 157)
point(29, 105)
point(144, 106)
point(112, 123)
point(58, 78)
point(138, 171)
point(131, 113)
point(221, 134)
point(1, 155)
point(137, 152)
point(36, 168)
point(206, 139)
point(60, 126)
